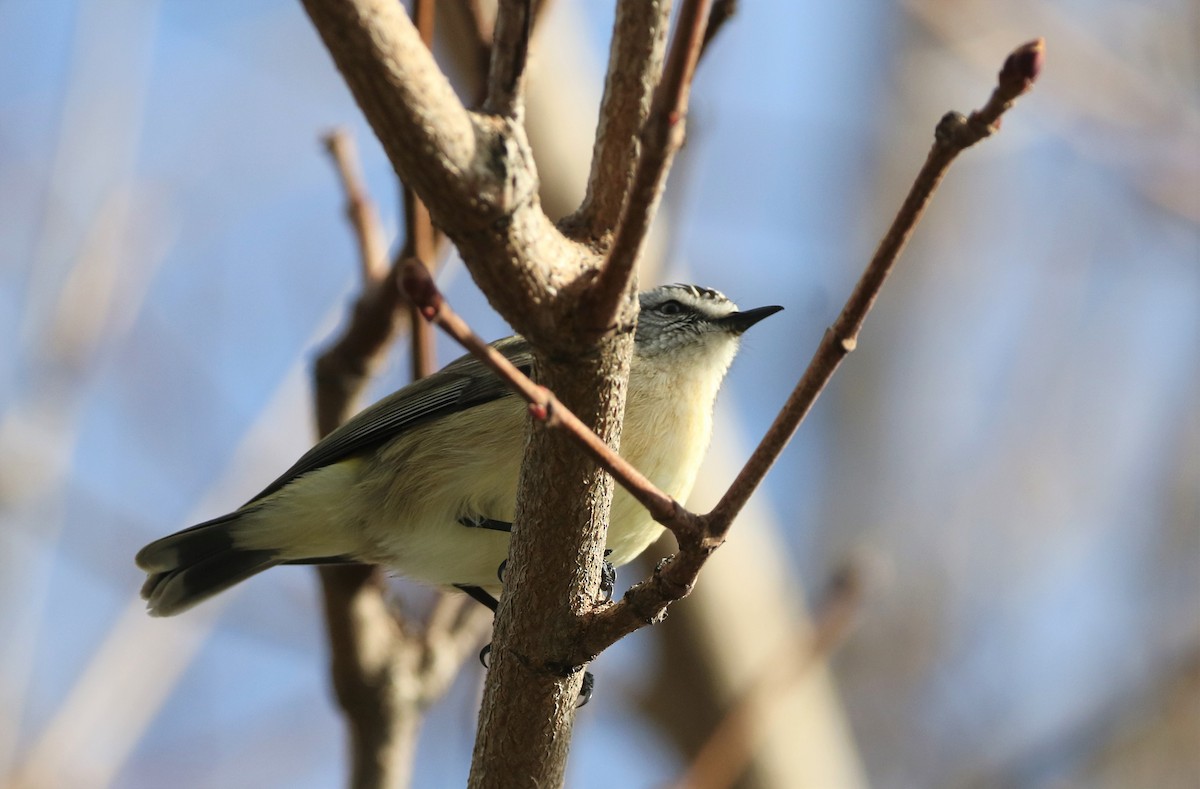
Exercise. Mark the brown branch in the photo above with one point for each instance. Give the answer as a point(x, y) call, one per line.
point(660, 140)
point(732, 744)
point(510, 54)
point(352, 594)
point(474, 171)
point(635, 63)
point(360, 208)
point(646, 602)
point(422, 241)
point(483, 23)
point(394, 78)
point(453, 633)
point(424, 17)
point(343, 368)
point(953, 135)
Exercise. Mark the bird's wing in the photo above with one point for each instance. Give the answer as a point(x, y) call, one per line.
point(462, 384)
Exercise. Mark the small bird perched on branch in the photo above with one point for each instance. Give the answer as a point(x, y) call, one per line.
point(425, 481)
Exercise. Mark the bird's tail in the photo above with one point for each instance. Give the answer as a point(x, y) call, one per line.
point(193, 565)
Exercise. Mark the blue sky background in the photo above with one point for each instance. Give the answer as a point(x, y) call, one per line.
point(1017, 439)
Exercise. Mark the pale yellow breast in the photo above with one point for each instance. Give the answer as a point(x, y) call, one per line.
point(668, 425)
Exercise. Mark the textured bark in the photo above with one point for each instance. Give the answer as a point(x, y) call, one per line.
point(529, 670)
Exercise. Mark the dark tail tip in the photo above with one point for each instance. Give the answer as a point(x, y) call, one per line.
point(193, 565)
point(175, 591)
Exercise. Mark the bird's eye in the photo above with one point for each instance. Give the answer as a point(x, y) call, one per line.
point(671, 307)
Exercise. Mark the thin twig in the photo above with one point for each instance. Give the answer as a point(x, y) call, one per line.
point(732, 744)
point(646, 602)
point(422, 240)
point(661, 138)
point(510, 54)
point(953, 135)
point(360, 208)
point(342, 369)
point(635, 64)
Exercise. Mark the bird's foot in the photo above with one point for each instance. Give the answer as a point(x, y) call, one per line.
point(480, 596)
point(480, 522)
point(585, 691)
point(485, 599)
point(608, 578)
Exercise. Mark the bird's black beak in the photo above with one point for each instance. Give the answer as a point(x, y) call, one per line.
point(738, 322)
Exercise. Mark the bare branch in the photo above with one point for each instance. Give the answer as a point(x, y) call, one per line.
point(422, 240)
point(342, 369)
point(953, 135)
point(454, 631)
point(424, 15)
point(483, 23)
point(361, 634)
point(360, 208)
point(646, 602)
point(510, 53)
point(635, 63)
point(661, 139)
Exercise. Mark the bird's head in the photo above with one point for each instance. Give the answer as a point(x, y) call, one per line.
point(691, 321)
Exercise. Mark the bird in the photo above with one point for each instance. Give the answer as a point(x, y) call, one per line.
point(424, 482)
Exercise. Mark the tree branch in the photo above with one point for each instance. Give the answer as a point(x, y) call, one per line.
point(510, 53)
point(635, 64)
point(647, 602)
point(474, 171)
point(360, 208)
point(661, 139)
point(954, 134)
point(422, 241)
point(343, 368)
